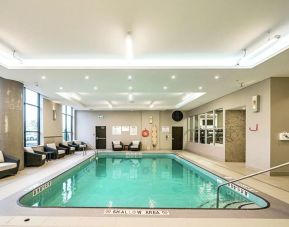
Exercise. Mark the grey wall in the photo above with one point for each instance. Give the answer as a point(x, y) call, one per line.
point(263, 147)
point(257, 143)
point(52, 129)
point(87, 120)
point(11, 119)
point(279, 123)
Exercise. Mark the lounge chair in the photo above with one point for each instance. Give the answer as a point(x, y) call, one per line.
point(135, 145)
point(33, 158)
point(58, 152)
point(70, 148)
point(80, 146)
point(9, 165)
point(117, 145)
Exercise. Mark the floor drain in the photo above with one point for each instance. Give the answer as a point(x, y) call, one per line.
point(27, 219)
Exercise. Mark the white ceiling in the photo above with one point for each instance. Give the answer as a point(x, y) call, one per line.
point(171, 29)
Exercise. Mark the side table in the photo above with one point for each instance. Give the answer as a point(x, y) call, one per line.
point(125, 147)
point(49, 155)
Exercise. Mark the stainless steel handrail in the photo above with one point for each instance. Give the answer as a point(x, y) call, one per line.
point(245, 177)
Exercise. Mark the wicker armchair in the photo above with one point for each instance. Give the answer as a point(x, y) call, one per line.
point(80, 146)
point(70, 148)
point(58, 152)
point(117, 145)
point(33, 158)
point(9, 165)
point(135, 146)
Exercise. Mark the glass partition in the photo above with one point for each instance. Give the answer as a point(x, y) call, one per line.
point(196, 129)
point(191, 128)
point(207, 128)
point(202, 124)
point(210, 127)
point(218, 125)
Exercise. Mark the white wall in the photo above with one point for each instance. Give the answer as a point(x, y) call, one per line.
point(257, 143)
point(87, 120)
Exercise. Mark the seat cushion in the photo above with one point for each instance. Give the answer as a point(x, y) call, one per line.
point(43, 156)
point(7, 165)
point(135, 142)
point(1, 157)
point(29, 149)
point(82, 145)
point(116, 142)
point(134, 146)
point(78, 142)
point(72, 148)
point(61, 151)
point(51, 145)
point(117, 146)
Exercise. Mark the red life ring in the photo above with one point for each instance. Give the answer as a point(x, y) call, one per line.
point(145, 133)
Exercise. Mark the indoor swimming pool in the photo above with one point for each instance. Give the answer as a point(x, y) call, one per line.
point(136, 180)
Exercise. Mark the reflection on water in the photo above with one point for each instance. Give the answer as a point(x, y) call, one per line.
point(132, 182)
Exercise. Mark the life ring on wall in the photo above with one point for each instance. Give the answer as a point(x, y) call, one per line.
point(145, 133)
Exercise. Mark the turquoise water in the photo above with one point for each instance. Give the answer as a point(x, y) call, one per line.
point(153, 181)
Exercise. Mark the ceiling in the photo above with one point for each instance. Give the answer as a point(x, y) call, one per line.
point(174, 29)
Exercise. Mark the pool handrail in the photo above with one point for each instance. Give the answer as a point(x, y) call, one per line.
point(245, 177)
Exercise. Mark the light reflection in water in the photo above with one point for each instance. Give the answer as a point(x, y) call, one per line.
point(66, 190)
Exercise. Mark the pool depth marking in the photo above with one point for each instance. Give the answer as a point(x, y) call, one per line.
point(41, 188)
point(136, 212)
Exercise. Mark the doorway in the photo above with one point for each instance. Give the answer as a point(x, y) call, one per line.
point(100, 137)
point(177, 138)
point(235, 135)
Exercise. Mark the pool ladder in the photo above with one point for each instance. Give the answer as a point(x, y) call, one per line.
point(245, 177)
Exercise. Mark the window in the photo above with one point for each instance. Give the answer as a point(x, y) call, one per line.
point(218, 126)
point(31, 118)
point(67, 123)
point(208, 127)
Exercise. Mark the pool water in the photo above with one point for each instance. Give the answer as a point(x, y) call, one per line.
point(140, 181)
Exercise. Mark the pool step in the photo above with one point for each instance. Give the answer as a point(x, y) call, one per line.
point(234, 204)
point(248, 206)
point(229, 204)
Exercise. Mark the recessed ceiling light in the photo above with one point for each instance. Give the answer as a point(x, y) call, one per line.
point(129, 47)
point(86, 77)
point(130, 88)
point(165, 87)
point(173, 77)
point(217, 77)
point(43, 77)
point(95, 88)
point(129, 77)
point(60, 88)
point(200, 88)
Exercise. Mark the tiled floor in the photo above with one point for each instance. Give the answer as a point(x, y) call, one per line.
point(277, 187)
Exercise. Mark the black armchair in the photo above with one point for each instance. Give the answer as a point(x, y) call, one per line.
point(57, 152)
point(33, 158)
point(70, 148)
point(135, 146)
point(117, 145)
point(10, 165)
point(80, 146)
